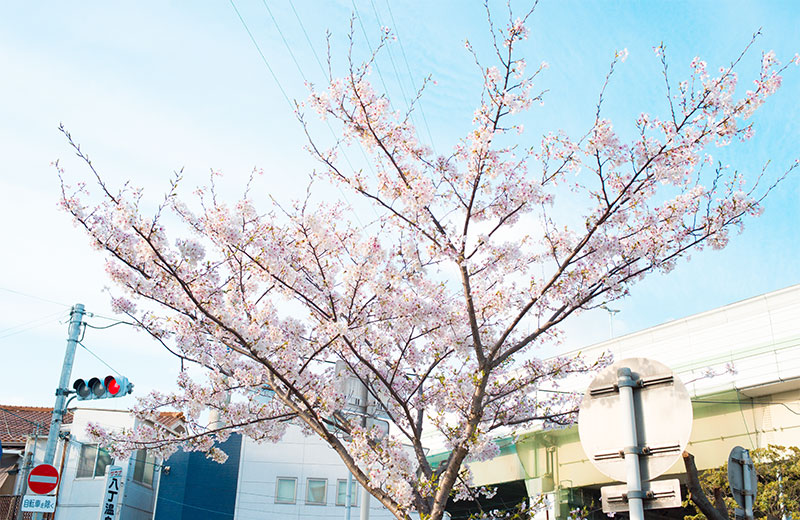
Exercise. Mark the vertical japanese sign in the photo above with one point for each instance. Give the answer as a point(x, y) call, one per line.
point(109, 508)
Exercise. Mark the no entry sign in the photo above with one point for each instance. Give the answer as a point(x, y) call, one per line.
point(43, 479)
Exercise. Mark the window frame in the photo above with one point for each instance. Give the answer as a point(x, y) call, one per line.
point(353, 498)
point(324, 481)
point(148, 459)
point(278, 500)
point(97, 451)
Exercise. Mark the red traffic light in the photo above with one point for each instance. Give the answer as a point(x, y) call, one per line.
point(112, 386)
point(96, 388)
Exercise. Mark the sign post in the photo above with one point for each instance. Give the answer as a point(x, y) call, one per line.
point(743, 481)
point(109, 507)
point(634, 423)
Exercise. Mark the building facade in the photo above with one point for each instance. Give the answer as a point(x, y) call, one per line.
point(741, 366)
point(299, 477)
point(81, 463)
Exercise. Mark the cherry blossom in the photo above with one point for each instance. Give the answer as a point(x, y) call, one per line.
point(439, 304)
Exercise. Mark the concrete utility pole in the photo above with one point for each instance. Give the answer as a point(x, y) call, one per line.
point(75, 322)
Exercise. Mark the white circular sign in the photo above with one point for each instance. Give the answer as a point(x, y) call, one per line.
point(663, 419)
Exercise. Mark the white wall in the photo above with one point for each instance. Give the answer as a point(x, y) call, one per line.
point(760, 336)
point(80, 498)
point(301, 457)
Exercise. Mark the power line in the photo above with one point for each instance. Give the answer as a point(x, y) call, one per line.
point(24, 327)
point(324, 72)
point(285, 43)
point(366, 39)
point(263, 58)
point(34, 297)
point(391, 58)
point(410, 76)
point(300, 69)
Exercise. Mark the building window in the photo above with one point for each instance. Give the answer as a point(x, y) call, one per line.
point(143, 466)
point(93, 461)
point(341, 493)
point(285, 490)
point(316, 490)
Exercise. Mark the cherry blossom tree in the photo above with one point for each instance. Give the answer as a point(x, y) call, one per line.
point(438, 303)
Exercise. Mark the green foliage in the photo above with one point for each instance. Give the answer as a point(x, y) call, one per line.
point(778, 494)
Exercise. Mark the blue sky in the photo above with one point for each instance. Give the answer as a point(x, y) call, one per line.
point(151, 87)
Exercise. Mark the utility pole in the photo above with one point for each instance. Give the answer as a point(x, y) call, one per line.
point(75, 322)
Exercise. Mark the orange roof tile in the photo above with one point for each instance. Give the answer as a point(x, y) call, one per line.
point(17, 422)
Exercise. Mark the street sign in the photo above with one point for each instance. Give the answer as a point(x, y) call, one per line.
point(660, 494)
point(663, 413)
point(43, 479)
point(743, 481)
point(110, 506)
point(634, 423)
point(38, 504)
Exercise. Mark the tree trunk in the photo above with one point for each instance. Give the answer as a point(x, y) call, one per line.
point(696, 494)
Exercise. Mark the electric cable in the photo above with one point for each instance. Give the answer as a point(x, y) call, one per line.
point(98, 358)
point(302, 74)
point(33, 324)
point(411, 77)
point(263, 58)
point(302, 27)
point(34, 297)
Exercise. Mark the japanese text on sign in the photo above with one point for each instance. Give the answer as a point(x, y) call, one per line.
point(111, 493)
point(39, 504)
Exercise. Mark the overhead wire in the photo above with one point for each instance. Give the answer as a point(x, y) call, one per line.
point(369, 46)
point(263, 58)
point(34, 297)
point(302, 74)
point(311, 46)
point(410, 75)
point(24, 327)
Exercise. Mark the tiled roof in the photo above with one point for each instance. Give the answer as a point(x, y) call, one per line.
point(17, 422)
point(170, 419)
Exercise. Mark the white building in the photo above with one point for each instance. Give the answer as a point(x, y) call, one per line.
point(82, 466)
point(299, 477)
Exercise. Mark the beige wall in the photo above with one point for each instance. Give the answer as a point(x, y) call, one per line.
point(720, 422)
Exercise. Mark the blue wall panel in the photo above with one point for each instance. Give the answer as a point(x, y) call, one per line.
point(197, 488)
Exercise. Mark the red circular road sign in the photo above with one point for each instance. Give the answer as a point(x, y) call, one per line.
point(43, 479)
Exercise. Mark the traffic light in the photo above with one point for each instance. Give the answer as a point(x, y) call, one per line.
point(107, 388)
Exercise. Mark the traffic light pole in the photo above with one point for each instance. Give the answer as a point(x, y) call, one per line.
point(75, 322)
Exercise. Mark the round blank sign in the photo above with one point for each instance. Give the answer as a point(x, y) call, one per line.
point(663, 419)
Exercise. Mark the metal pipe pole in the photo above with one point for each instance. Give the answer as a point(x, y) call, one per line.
point(634, 477)
point(349, 500)
point(364, 505)
point(75, 322)
point(747, 492)
point(363, 395)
